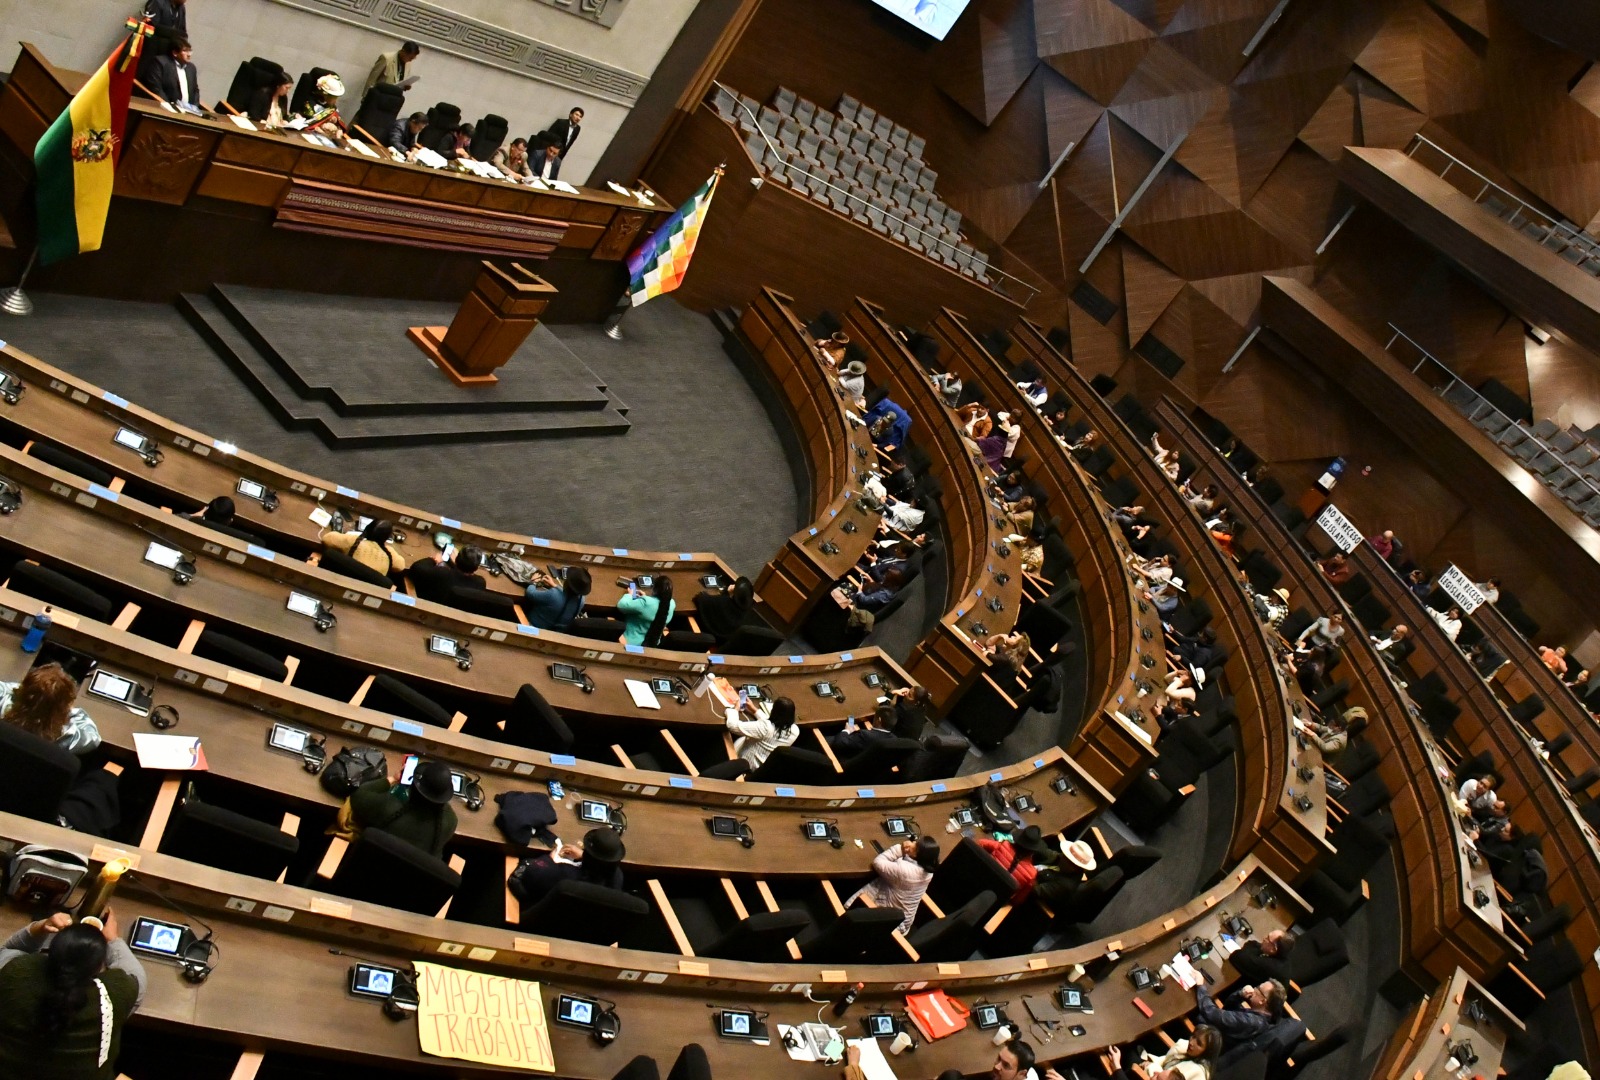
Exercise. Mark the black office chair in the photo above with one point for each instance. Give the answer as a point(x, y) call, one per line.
point(583, 911)
point(691, 1064)
point(443, 119)
point(380, 108)
point(752, 640)
point(534, 723)
point(337, 562)
point(306, 89)
point(490, 603)
point(254, 75)
point(878, 762)
point(1092, 897)
point(1308, 1051)
point(965, 871)
point(228, 840)
point(849, 937)
point(380, 868)
point(1135, 859)
point(58, 589)
point(225, 649)
point(787, 765)
point(640, 1068)
point(389, 695)
point(487, 136)
point(940, 759)
point(35, 774)
point(596, 629)
point(761, 937)
point(1528, 709)
point(67, 461)
point(954, 937)
point(1103, 385)
point(1318, 953)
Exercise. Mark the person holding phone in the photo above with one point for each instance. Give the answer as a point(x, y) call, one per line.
point(646, 615)
point(66, 991)
point(900, 877)
point(598, 862)
point(760, 733)
point(552, 605)
point(418, 813)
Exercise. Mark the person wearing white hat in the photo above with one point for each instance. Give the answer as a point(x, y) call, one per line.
point(853, 377)
point(322, 111)
point(1079, 854)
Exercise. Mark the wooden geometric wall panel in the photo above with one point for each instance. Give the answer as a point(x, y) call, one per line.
point(1092, 42)
point(1335, 125)
point(1212, 34)
point(1165, 96)
point(1152, 13)
point(1150, 288)
point(1473, 14)
point(987, 58)
point(1068, 111)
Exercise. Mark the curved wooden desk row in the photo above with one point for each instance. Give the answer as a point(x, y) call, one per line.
point(171, 158)
point(100, 533)
point(1268, 818)
point(82, 417)
point(1537, 805)
point(1123, 627)
point(839, 455)
point(1442, 927)
point(275, 940)
point(984, 593)
point(231, 712)
point(1459, 1011)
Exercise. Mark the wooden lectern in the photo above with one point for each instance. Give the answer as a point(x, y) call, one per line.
point(491, 324)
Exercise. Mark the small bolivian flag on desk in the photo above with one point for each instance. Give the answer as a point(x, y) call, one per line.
point(660, 262)
point(76, 159)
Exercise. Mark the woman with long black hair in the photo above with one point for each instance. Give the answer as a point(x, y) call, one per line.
point(372, 547)
point(66, 992)
point(645, 617)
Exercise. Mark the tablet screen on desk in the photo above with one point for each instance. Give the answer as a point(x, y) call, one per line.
point(724, 825)
point(897, 827)
point(817, 830)
point(441, 645)
point(288, 739)
point(597, 813)
point(301, 604)
point(155, 936)
point(565, 672)
point(129, 438)
point(736, 1024)
point(251, 489)
point(111, 686)
point(371, 980)
point(880, 1025)
point(576, 1011)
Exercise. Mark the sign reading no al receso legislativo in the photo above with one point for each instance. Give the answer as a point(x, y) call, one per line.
point(490, 1019)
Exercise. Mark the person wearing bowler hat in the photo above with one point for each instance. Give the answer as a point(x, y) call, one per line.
point(418, 813)
point(853, 377)
point(598, 862)
point(1021, 856)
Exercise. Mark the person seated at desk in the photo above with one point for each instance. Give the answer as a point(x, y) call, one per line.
point(372, 547)
point(1036, 391)
point(1010, 485)
point(1007, 651)
point(1166, 460)
point(1449, 621)
point(1555, 659)
point(1385, 545)
point(912, 708)
point(1474, 786)
point(460, 143)
point(1199, 650)
point(513, 160)
point(874, 595)
point(974, 420)
point(1082, 448)
point(1332, 734)
point(900, 877)
point(1021, 856)
point(1272, 607)
point(901, 515)
point(170, 20)
point(1180, 687)
point(1336, 569)
point(898, 558)
point(1193, 1058)
point(1267, 958)
point(889, 424)
point(219, 511)
point(1204, 501)
point(1490, 590)
point(853, 378)
point(721, 612)
point(546, 161)
point(1015, 1061)
point(1134, 525)
point(435, 579)
point(1250, 1015)
point(1396, 647)
point(1021, 514)
point(269, 105)
point(175, 79)
point(42, 703)
point(998, 446)
point(1327, 632)
point(67, 990)
point(597, 862)
point(552, 605)
point(1576, 681)
point(322, 111)
point(949, 386)
point(1497, 842)
point(854, 738)
point(761, 731)
point(402, 134)
point(1055, 418)
point(833, 349)
point(1417, 581)
point(419, 814)
point(645, 617)
point(1310, 670)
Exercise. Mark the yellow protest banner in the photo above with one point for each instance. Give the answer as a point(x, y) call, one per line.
point(490, 1019)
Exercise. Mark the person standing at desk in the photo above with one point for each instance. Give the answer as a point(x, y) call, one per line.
point(176, 79)
point(563, 133)
point(170, 20)
point(390, 67)
point(66, 992)
point(645, 618)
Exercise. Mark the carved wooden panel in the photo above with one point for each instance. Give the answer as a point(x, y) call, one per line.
point(161, 162)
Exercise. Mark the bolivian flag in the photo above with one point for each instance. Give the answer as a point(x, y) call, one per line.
point(76, 159)
point(660, 262)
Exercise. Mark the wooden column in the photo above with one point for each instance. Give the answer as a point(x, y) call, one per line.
point(494, 319)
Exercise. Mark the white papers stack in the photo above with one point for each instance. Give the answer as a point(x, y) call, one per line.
point(321, 517)
point(642, 695)
point(180, 752)
point(1184, 972)
point(618, 188)
point(430, 158)
point(538, 183)
point(562, 185)
point(362, 148)
point(242, 121)
point(874, 1066)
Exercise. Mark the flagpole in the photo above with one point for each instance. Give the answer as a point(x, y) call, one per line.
point(14, 301)
point(614, 323)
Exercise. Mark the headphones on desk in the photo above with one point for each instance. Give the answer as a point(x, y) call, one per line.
point(314, 755)
point(197, 959)
point(10, 497)
point(472, 791)
point(163, 717)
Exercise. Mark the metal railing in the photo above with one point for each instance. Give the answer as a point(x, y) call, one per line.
point(1553, 229)
point(1007, 285)
point(1452, 387)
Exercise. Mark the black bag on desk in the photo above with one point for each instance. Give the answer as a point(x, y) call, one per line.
point(525, 814)
point(350, 768)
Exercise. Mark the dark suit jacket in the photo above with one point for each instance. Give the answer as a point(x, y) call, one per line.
point(164, 80)
point(536, 164)
point(171, 21)
point(1256, 966)
point(261, 104)
point(435, 580)
point(559, 131)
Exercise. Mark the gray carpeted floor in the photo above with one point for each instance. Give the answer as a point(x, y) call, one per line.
point(700, 470)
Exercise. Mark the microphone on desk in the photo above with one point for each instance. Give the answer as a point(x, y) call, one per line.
point(403, 1000)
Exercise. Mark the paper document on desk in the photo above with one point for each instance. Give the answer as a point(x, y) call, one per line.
point(321, 517)
point(430, 158)
point(538, 183)
point(171, 752)
point(362, 148)
point(641, 693)
point(618, 188)
point(1184, 972)
point(562, 185)
point(242, 121)
point(874, 1066)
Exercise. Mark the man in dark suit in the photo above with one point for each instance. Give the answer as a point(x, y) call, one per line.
point(171, 21)
point(545, 159)
point(563, 133)
point(175, 78)
point(1265, 959)
point(436, 580)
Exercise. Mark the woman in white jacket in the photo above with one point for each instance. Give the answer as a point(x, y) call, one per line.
point(760, 734)
point(902, 876)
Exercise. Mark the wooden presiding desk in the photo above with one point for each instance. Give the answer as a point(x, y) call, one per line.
point(195, 468)
point(231, 713)
point(176, 159)
point(275, 941)
point(99, 533)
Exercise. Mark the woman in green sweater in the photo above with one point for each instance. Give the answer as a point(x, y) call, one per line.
point(645, 618)
point(418, 813)
point(66, 992)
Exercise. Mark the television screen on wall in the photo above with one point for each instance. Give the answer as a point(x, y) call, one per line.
point(936, 17)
